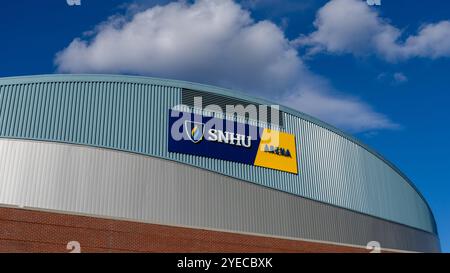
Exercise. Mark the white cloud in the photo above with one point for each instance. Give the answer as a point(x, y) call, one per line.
point(342, 112)
point(208, 41)
point(316, 98)
point(351, 26)
point(400, 77)
point(393, 78)
point(433, 41)
point(214, 42)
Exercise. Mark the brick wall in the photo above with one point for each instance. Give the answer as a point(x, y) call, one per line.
point(36, 231)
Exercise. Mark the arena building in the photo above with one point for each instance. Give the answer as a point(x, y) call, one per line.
point(95, 160)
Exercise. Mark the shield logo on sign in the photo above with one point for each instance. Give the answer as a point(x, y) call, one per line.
point(194, 130)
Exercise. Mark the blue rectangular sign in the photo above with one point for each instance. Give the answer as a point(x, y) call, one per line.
point(212, 137)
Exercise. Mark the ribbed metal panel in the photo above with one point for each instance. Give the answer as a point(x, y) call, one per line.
point(132, 115)
point(116, 115)
point(187, 98)
point(103, 182)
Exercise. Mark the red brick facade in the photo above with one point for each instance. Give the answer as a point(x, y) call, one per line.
point(36, 231)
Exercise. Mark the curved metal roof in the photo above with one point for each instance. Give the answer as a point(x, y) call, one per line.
point(205, 88)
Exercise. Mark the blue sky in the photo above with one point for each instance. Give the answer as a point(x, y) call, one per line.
point(379, 73)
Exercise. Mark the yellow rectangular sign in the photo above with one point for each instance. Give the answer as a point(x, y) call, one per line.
point(277, 150)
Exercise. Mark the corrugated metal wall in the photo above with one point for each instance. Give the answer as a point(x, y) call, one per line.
point(132, 115)
point(103, 182)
